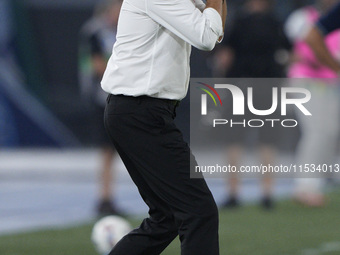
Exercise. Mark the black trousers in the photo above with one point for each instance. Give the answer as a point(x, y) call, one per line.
point(158, 160)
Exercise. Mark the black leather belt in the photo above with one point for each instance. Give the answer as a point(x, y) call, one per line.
point(147, 98)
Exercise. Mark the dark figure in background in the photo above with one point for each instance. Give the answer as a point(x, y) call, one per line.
point(96, 39)
point(253, 44)
point(256, 47)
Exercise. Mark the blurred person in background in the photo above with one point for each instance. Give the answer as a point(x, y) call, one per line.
point(320, 132)
point(96, 39)
point(252, 49)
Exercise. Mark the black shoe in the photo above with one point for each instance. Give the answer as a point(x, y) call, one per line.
point(267, 203)
point(105, 208)
point(230, 203)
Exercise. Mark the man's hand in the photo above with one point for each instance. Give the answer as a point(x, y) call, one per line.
point(216, 4)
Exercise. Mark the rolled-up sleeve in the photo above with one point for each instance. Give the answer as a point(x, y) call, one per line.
point(181, 17)
point(215, 20)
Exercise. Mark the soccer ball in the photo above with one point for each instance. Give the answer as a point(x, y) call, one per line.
point(108, 231)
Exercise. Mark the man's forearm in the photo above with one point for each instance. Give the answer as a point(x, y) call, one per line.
point(224, 13)
point(316, 41)
point(217, 5)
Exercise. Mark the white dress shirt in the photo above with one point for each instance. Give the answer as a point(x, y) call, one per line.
point(152, 51)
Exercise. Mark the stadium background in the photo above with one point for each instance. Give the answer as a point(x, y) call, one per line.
point(48, 161)
point(44, 37)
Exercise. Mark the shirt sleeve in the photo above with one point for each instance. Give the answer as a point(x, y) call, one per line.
point(330, 21)
point(200, 29)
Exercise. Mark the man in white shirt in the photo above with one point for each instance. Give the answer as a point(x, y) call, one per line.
point(147, 75)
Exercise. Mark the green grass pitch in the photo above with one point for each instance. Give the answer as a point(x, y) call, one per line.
point(289, 229)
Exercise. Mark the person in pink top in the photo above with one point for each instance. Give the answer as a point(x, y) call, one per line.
point(319, 132)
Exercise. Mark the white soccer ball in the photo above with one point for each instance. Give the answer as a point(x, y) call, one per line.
point(108, 231)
